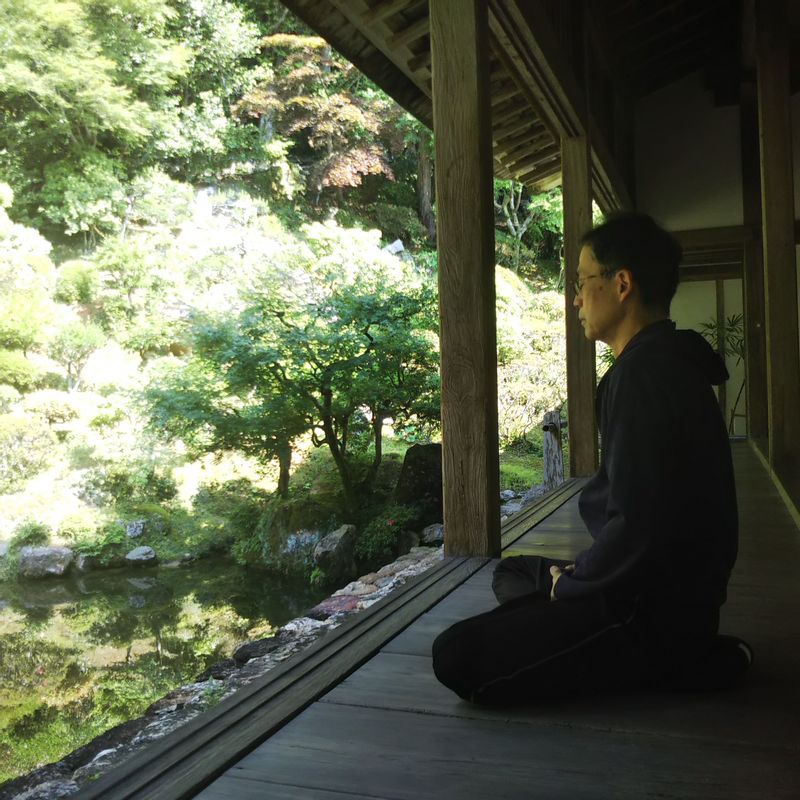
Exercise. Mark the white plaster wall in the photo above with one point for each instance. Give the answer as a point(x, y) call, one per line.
point(688, 158)
point(695, 302)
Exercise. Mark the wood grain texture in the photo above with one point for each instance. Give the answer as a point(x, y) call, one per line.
point(777, 193)
point(462, 125)
point(580, 351)
point(428, 756)
point(753, 272)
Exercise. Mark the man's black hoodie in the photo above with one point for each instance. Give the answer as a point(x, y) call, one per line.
point(662, 507)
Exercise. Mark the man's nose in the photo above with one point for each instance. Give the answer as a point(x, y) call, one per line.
point(576, 301)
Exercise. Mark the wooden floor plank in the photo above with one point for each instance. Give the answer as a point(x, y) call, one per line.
point(420, 757)
point(765, 712)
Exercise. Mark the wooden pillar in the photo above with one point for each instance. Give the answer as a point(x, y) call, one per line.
point(581, 378)
point(465, 240)
point(777, 193)
point(755, 365)
point(722, 344)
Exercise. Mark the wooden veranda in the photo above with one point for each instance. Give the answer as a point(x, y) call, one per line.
point(360, 714)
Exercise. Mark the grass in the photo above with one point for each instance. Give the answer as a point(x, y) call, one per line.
point(519, 471)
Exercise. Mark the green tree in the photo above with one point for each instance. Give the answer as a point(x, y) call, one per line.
point(320, 101)
point(72, 346)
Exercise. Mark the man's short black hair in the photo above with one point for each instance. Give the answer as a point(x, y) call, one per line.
point(630, 240)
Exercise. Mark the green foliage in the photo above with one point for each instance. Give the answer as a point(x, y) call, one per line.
point(26, 446)
point(17, 371)
point(22, 321)
point(29, 533)
point(55, 406)
point(157, 199)
point(520, 470)
point(72, 346)
point(78, 282)
point(132, 480)
point(78, 526)
point(8, 397)
point(377, 542)
point(86, 197)
point(108, 543)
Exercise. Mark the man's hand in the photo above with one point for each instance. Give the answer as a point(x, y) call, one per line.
point(557, 573)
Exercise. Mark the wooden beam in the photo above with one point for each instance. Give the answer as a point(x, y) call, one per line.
point(504, 94)
point(538, 156)
point(465, 241)
point(416, 30)
point(535, 176)
point(524, 123)
point(576, 177)
point(777, 193)
point(753, 271)
point(535, 137)
point(385, 8)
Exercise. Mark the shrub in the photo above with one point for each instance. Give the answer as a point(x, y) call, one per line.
point(17, 371)
point(29, 533)
point(55, 406)
point(8, 396)
point(120, 481)
point(378, 540)
point(77, 526)
point(109, 545)
point(78, 282)
point(26, 445)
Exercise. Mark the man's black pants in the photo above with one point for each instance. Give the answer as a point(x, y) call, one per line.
point(531, 649)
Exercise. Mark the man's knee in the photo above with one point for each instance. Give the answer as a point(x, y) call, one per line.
point(451, 658)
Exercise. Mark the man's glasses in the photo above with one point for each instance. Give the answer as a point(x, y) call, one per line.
point(578, 283)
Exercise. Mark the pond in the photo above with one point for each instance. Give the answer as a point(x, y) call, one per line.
point(80, 655)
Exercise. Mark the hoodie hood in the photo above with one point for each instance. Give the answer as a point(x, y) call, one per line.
point(687, 345)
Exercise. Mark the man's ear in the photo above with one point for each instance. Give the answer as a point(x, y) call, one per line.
point(623, 283)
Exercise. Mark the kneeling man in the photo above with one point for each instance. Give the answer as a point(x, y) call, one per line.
point(640, 606)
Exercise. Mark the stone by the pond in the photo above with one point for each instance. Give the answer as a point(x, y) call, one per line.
point(510, 508)
point(340, 604)
point(406, 540)
point(219, 671)
point(420, 481)
point(3, 549)
point(43, 562)
point(433, 534)
point(244, 652)
point(99, 764)
point(52, 790)
point(334, 554)
point(507, 494)
point(89, 563)
point(135, 528)
point(137, 601)
point(355, 588)
point(141, 556)
point(143, 584)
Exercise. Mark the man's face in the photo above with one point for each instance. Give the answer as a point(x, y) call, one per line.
point(598, 306)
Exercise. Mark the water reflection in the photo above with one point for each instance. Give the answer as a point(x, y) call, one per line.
point(80, 655)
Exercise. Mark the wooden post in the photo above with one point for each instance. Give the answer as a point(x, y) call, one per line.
point(755, 343)
point(553, 454)
point(581, 379)
point(777, 193)
point(722, 345)
point(465, 240)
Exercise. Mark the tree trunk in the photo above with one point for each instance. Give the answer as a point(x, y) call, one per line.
point(377, 432)
point(284, 466)
point(425, 183)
